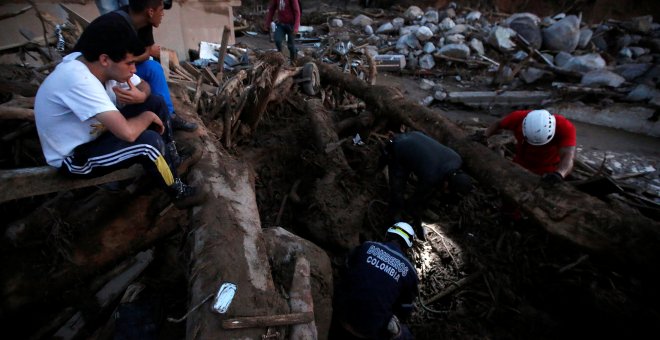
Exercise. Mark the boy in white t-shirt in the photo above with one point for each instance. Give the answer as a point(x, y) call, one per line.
point(80, 128)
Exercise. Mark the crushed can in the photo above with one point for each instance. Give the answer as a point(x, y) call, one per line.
point(223, 297)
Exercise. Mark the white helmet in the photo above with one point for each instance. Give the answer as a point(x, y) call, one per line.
point(538, 127)
point(404, 230)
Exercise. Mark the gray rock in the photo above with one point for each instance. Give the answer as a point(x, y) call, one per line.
point(408, 29)
point(602, 78)
point(336, 23)
point(424, 33)
point(432, 16)
point(559, 16)
point(529, 30)
point(440, 95)
point(433, 27)
point(586, 63)
point(368, 30)
point(451, 12)
point(626, 53)
point(426, 84)
point(477, 46)
point(398, 22)
point(386, 28)
point(362, 20)
point(520, 56)
point(446, 24)
point(562, 58)
point(641, 93)
point(374, 39)
point(413, 13)
point(585, 37)
point(517, 16)
point(426, 101)
point(631, 71)
point(638, 51)
point(550, 57)
point(548, 21)
point(460, 51)
point(500, 38)
point(600, 43)
point(564, 35)
point(504, 76)
point(473, 16)
point(429, 47)
point(531, 74)
point(455, 39)
point(426, 62)
point(412, 62)
point(458, 29)
point(651, 76)
point(408, 41)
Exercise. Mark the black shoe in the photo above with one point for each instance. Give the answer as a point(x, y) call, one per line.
point(180, 124)
point(186, 196)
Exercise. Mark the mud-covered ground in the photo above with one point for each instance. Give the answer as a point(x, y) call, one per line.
point(523, 282)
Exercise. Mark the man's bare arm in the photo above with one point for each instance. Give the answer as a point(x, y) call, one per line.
point(493, 128)
point(129, 129)
point(566, 157)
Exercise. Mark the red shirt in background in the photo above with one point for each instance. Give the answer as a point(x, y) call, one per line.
point(543, 158)
point(290, 15)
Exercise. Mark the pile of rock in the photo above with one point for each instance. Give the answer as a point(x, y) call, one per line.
point(524, 47)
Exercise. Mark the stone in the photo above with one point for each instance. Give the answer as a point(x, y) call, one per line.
point(408, 41)
point(586, 63)
point(530, 74)
point(424, 33)
point(440, 95)
point(362, 20)
point(426, 101)
point(426, 62)
point(477, 46)
point(529, 30)
point(429, 47)
point(451, 12)
point(652, 76)
point(602, 78)
point(412, 62)
point(500, 38)
point(408, 29)
point(585, 37)
point(368, 30)
point(638, 51)
point(446, 24)
point(562, 58)
point(473, 16)
point(426, 84)
point(631, 71)
point(520, 56)
point(564, 35)
point(432, 16)
point(530, 16)
point(386, 28)
point(642, 92)
point(413, 13)
point(398, 22)
point(641, 24)
point(433, 27)
point(460, 51)
point(455, 39)
point(336, 23)
point(458, 29)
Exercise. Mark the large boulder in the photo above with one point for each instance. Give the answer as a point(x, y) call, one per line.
point(586, 63)
point(460, 51)
point(563, 35)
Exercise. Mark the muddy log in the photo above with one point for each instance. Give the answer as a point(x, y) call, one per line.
point(584, 220)
point(226, 244)
point(284, 250)
point(327, 219)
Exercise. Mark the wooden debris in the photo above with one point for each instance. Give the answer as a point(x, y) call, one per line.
point(267, 321)
point(485, 99)
point(27, 182)
point(223, 52)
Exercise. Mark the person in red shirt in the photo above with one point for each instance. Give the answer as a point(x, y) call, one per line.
point(545, 142)
point(288, 23)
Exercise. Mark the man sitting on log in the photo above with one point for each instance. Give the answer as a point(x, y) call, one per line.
point(545, 142)
point(435, 166)
point(80, 128)
point(141, 16)
point(377, 289)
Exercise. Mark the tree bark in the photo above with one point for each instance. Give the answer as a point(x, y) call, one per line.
point(227, 245)
point(579, 218)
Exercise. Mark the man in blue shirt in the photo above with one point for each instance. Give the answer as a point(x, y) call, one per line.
point(377, 289)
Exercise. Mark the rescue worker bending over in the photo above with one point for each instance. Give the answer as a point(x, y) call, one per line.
point(377, 289)
point(545, 143)
point(434, 165)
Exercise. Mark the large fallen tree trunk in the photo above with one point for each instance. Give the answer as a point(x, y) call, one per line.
point(564, 211)
point(227, 245)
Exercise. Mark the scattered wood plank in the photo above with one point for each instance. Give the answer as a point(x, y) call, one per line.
point(223, 51)
point(483, 99)
point(165, 63)
point(268, 321)
point(28, 182)
point(208, 75)
point(74, 17)
point(15, 13)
